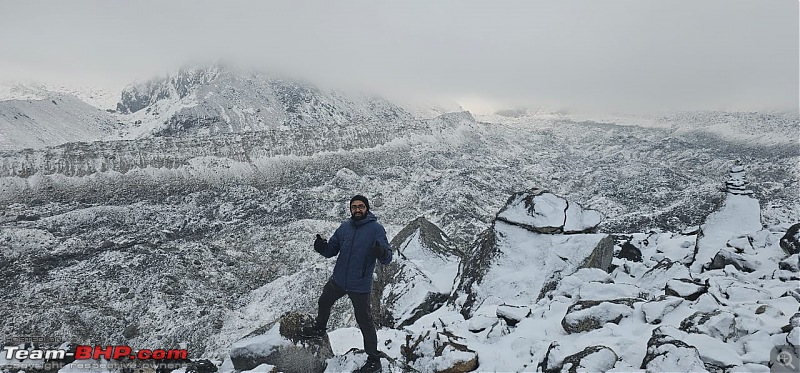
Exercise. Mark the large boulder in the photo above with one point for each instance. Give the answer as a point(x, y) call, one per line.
point(544, 212)
point(739, 214)
point(518, 260)
point(666, 352)
point(655, 279)
point(726, 257)
point(283, 347)
point(584, 316)
point(419, 279)
point(514, 265)
point(591, 359)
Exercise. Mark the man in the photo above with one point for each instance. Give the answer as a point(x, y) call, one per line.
point(359, 241)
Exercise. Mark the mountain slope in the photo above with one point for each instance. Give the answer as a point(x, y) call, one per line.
point(49, 119)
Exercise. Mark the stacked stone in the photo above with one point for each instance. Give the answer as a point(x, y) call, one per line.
point(737, 180)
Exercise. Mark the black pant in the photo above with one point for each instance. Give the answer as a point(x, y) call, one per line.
point(330, 294)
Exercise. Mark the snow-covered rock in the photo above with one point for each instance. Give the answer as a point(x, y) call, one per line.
point(717, 324)
point(512, 314)
point(584, 316)
point(544, 212)
point(655, 279)
point(667, 352)
point(283, 347)
point(419, 279)
point(739, 214)
point(685, 288)
point(726, 257)
point(792, 263)
point(513, 265)
point(591, 359)
point(655, 310)
point(52, 119)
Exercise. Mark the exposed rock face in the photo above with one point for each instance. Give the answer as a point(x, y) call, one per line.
point(544, 212)
point(792, 263)
point(790, 242)
point(283, 347)
point(629, 252)
point(419, 279)
point(793, 336)
point(139, 96)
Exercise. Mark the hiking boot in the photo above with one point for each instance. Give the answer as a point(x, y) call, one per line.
point(373, 365)
point(311, 332)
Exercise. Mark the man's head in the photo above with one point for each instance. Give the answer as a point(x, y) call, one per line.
point(359, 207)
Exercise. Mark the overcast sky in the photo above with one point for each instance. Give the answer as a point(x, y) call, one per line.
point(602, 55)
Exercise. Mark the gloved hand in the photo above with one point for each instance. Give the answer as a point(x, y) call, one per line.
point(320, 244)
point(378, 251)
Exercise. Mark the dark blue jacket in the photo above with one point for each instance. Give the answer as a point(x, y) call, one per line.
point(353, 242)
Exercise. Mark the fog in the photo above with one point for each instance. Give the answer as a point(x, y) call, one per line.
point(597, 55)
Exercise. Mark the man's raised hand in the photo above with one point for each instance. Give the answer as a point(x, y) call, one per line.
point(320, 244)
point(378, 251)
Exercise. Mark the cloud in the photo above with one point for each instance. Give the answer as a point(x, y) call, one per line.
point(605, 55)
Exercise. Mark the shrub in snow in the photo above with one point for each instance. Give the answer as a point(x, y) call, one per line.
point(436, 351)
point(283, 347)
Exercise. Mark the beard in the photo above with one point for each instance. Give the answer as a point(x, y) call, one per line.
point(358, 215)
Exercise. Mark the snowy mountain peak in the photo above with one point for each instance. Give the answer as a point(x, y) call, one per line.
point(220, 99)
point(138, 96)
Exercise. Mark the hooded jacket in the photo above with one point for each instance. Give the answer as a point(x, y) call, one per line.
point(353, 242)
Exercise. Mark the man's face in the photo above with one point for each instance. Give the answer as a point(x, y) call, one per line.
point(358, 210)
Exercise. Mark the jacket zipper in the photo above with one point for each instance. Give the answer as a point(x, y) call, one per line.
point(350, 256)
